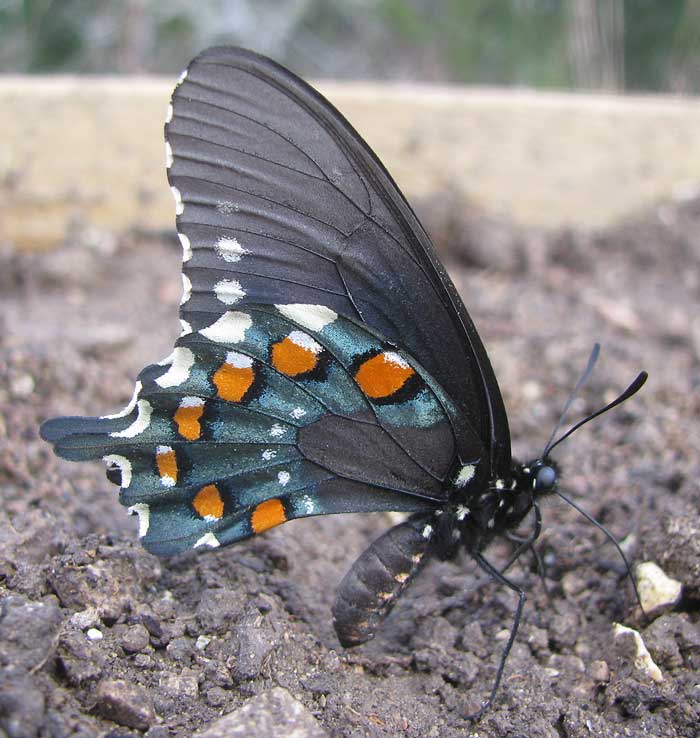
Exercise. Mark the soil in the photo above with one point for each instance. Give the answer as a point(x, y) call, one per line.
point(99, 638)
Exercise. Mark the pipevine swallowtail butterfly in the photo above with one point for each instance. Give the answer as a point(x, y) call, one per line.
point(326, 362)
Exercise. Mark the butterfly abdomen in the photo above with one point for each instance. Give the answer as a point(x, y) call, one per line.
point(368, 591)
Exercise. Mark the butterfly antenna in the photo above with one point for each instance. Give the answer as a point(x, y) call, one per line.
point(610, 537)
point(636, 385)
point(582, 380)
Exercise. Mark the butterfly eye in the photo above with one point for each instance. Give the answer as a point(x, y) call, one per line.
point(545, 479)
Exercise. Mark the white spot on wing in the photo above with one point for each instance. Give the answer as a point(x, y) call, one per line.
point(179, 205)
point(124, 467)
point(229, 291)
point(466, 474)
point(297, 413)
point(427, 531)
point(304, 340)
point(392, 357)
point(144, 512)
point(313, 317)
point(309, 506)
point(268, 454)
point(283, 478)
point(238, 360)
point(277, 430)
point(186, 289)
point(143, 420)
point(186, 247)
point(191, 402)
point(182, 77)
point(208, 539)
point(168, 156)
point(229, 328)
point(229, 249)
point(132, 404)
point(186, 328)
point(183, 360)
point(169, 113)
point(462, 512)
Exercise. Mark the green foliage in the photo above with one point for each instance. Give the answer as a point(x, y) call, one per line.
point(493, 42)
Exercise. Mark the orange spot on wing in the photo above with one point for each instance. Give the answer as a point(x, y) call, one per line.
point(292, 359)
point(383, 375)
point(166, 461)
point(208, 503)
point(234, 378)
point(187, 418)
point(267, 515)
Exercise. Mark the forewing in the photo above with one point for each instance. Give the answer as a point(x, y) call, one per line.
point(280, 201)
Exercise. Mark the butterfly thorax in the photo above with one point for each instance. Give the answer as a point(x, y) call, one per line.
point(480, 513)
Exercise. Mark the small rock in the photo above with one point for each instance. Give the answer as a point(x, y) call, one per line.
point(182, 685)
point(22, 386)
point(158, 731)
point(28, 632)
point(657, 591)
point(135, 639)
point(255, 642)
point(22, 708)
point(219, 609)
point(272, 713)
point(216, 696)
point(87, 618)
point(642, 658)
point(202, 642)
point(599, 671)
point(124, 703)
point(82, 659)
point(94, 634)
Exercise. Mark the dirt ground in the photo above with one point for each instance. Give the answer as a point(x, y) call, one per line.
point(99, 638)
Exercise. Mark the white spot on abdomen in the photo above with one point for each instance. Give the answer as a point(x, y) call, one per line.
point(229, 328)
point(229, 291)
point(143, 420)
point(466, 474)
point(313, 317)
point(229, 249)
point(183, 360)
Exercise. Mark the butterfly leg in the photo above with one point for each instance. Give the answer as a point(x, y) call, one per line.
point(490, 569)
point(369, 590)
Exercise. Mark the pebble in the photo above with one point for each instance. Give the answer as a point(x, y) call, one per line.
point(272, 713)
point(94, 634)
point(599, 671)
point(125, 703)
point(87, 618)
point(135, 639)
point(642, 658)
point(657, 590)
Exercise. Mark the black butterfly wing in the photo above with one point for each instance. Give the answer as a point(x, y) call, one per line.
point(279, 200)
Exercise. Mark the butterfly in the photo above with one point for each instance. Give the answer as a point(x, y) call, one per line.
point(326, 362)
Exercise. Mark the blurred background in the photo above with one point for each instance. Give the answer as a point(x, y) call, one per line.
point(636, 45)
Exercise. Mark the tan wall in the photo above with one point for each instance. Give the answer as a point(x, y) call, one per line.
point(90, 151)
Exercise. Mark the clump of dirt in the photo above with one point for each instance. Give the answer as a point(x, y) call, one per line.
point(97, 637)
